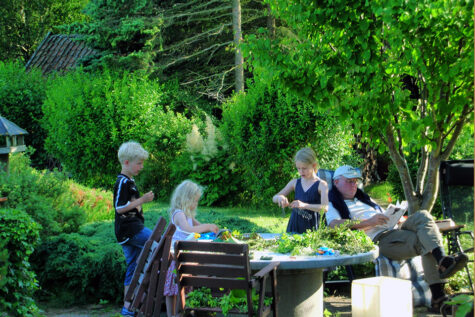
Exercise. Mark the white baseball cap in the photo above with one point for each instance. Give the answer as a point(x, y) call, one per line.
point(347, 171)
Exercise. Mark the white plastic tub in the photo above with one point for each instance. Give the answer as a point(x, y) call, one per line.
point(381, 297)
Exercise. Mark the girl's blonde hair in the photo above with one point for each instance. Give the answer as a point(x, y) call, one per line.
point(306, 156)
point(183, 196)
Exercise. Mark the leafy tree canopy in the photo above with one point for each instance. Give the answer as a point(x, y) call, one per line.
point(24, 23)
point(402, 71)
point(191, 41)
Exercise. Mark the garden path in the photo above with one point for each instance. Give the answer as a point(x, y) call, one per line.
point(338, 305)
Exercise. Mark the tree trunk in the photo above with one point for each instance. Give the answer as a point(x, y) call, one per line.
point(424, 195)
point(270, 23)
point(238, 59)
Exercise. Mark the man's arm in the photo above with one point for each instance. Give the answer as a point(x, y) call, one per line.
point(378, 219)
point(334, 219)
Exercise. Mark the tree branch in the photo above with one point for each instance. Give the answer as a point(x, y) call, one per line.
point(403, 170)
point(422, 170)
point(197, 37)
point(457, 129)
point(184, 58)
point(196, 13)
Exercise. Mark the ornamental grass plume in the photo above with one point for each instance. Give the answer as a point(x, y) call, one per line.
point(210, 148)
point(194, 141)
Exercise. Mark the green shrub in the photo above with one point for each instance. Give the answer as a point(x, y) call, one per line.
point(88, 116)
point(207, 161)
point(266, 127)
point(22, 95)
point(164, 142)
point(3, 263)
point(44, 195)
point(97, 203)
point(81, 268)
point(20, 235)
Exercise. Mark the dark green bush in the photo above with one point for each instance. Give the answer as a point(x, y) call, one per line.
point(80, 268)
point(22, 95)
point(164, 141)
point(265, 128)
point(19, 234)
point(88, 116)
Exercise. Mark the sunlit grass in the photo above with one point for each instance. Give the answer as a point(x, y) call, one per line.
point(381, 193)
point(233, 218)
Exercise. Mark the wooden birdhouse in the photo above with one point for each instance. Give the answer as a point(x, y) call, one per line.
point(11, 139)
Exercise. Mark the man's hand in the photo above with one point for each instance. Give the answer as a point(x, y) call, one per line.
point(378, 219)
point(298, 204)
point(147, 197)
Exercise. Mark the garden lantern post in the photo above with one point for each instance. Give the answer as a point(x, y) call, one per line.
point(11, 140)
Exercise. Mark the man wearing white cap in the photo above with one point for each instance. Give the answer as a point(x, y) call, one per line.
point(419, 235)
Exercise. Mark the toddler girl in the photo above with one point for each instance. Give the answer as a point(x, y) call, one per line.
point(182, 214)
point(311, 194)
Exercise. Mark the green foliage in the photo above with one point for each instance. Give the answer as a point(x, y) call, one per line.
point(341, 239)
point(95, 113)
point(265, 128)
point(355, 59)
point(83, 267)
point(164, 141)
point(23, 24)
point(3, 263)
point(464, 303)
point(125, 32)
point(22, 95)
point(363, 270)
point(234, 299)
point(44, 195)
point(19, 234)
point(382, 193)
point(96, 203)
point(207, 161)
point(465, 144)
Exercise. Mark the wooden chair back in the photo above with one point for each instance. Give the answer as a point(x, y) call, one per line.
point(145, 293)
point(220, 266)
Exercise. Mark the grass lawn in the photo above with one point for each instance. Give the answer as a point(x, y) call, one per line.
point(233, 218)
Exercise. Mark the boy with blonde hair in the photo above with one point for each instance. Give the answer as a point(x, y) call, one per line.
point(129, 221)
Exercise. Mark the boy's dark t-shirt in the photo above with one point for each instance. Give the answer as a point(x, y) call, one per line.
point(131, 222)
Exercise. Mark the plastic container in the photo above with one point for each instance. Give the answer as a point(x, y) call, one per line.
point(381, 297)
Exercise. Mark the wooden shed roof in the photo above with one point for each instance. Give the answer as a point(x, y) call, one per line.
point(58, 52)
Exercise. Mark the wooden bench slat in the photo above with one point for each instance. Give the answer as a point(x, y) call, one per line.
point(213, 282)
point(229, 248)
point(216, 270)
point(211, 258)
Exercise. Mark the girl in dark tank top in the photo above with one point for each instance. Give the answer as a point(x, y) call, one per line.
point(311, 194)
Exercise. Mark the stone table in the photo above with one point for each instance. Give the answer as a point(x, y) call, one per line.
point(300, 278)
